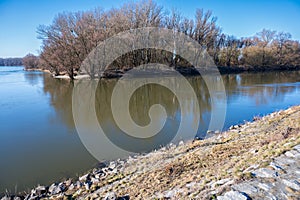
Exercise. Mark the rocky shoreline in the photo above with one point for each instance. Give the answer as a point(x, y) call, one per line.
point(256, 160)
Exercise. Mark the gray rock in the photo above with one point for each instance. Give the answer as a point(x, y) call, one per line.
point(87, 185)
point(170, 194)
point(112, 165)
point(99, 172)
point(233, 195)
point(271, 197)
point(27, 197)
point(245, 187)
point(55, 189)
point(189, 185)
point(292, 153)
point(40, 190)
point(276, 167)
point(94, 180)
point(264, 173)
point(115, 170)
point(264, 186)
point(292, 184)
point(62, 186)
point(78, 184)
point(84, 177)
point(68, 182)
point(236, 126)
point(98, 176)
point(52, 187)
point(297, 147)
point(110, 196)
point(71, 187)
point(283, 160)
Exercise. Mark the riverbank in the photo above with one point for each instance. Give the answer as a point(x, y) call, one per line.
point(186, 71)
point(256, 158)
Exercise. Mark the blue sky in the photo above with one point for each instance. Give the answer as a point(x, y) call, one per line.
point(20, 18)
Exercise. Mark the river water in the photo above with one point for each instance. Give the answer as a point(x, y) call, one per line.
point(40, 145)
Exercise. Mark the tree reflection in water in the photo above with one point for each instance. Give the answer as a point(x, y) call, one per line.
point(261, 88)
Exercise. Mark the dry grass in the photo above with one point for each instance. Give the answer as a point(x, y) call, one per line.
point(202, 163)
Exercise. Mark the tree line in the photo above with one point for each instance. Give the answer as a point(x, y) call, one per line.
point(11, 62)
point(30, 61)
point(72, 36)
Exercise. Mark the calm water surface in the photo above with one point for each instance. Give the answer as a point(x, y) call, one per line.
point(38, 140)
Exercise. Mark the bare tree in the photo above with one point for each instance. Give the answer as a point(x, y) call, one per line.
point(280, 43)
point(72, 36)
point(265, 38)
point(30, 61)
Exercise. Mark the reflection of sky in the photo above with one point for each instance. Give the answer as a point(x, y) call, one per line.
point(19, 97)
point(267, 98)
point(245, 102)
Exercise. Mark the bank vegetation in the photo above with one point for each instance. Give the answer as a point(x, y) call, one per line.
point(72, 36)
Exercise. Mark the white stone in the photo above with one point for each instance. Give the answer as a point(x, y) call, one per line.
point(71, 187)
point(271, 197)
point(112, 165)
point(110, 196)
point(95, 180)
point(170, 194)
point(84, 177)
point(52, 187)
point(295, 185)
point(289, 154)
point(297, 147)
point(87, 186)
point(190, 184)
point(276, 167)
point(294, 153)
point(233, 195)
point(245, 187)
point(264, 173)
point(284, 160)
point(264, 186)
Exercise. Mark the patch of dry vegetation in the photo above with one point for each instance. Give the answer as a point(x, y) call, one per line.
point(193, 169)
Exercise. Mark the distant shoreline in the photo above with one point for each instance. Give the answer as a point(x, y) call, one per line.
point(11, 66)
